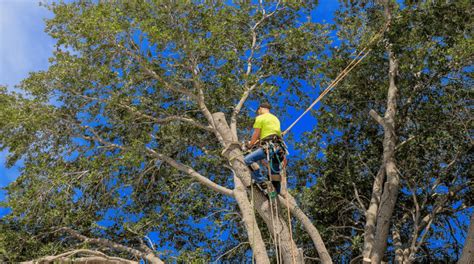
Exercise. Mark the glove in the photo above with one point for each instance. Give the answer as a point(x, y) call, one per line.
point(248, 145)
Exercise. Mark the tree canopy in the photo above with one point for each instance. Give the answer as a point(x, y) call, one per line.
point(129, 137)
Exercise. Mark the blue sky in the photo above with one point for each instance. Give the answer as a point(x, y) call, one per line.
point(24, 47)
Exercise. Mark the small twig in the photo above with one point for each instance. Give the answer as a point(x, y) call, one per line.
point(363, 207)
point(231, 250)
point(377, 117)
point(404, 142)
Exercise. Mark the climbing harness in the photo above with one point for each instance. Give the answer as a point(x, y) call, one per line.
point(353, 63)
point(276, 151)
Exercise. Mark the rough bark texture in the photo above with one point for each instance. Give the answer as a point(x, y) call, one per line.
point(261, 202)
point(467, 256)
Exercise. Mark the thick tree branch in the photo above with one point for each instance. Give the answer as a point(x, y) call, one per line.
point(377, 117)
point(238, 107)
point(371, 213)
point(308, 226)
point(110, 244)
point(91, 256)
point(190, 171)
point(161, 120)
point(179, 166)
point(374, 249)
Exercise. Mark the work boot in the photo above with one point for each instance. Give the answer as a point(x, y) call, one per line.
point(262, 186)
point(271, 192)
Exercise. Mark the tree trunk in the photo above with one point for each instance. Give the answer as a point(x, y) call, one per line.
point(390, 192)
point(467, 256)
point(383, 202)
point(261, 202)
point(241, 180)
point(391, 186)
point(400, 254)
point(371, 214)
point(253, 231)
point(278, 227)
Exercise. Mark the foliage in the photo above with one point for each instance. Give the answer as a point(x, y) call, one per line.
point(123, 82)
point(433, 42)
point(135, 78)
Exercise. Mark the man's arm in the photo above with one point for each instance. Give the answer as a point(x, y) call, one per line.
point(255, 137)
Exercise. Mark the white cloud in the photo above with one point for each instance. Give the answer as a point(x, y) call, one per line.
point(24, 46)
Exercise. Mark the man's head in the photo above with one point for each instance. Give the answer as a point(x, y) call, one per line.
point(264, 108)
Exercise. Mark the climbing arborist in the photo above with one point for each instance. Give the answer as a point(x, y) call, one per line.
point(267, 136)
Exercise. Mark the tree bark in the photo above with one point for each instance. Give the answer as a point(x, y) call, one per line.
point(148, 255)
point(383, 201)
point(467, 256)
point(253, 231)
point(241, 180)
point(397, 243)
point(277, 226)
point(310, 228)
point(391, 186)
point(371, 214)
point(92, 257)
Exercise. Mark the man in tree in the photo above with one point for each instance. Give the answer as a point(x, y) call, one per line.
point(267, 133)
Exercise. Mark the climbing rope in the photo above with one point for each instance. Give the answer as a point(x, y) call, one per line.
point(293, 250)
point(278, 233)
point(275, 240)
point(354, 62)
point(255, 220)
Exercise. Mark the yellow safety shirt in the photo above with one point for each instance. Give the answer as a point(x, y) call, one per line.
point(268, 124)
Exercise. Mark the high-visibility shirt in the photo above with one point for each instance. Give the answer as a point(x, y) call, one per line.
point(268, 124)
